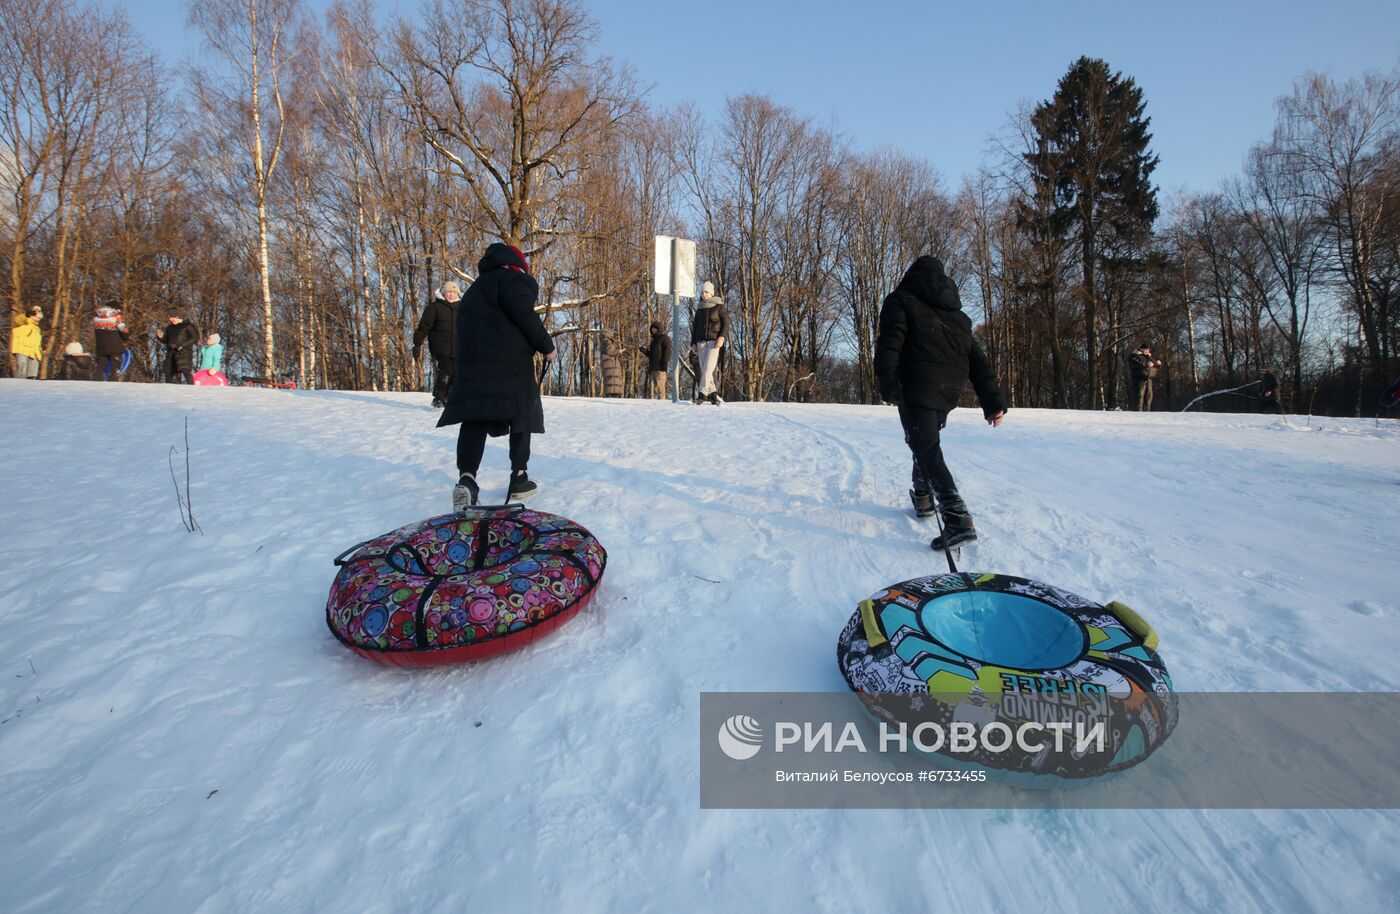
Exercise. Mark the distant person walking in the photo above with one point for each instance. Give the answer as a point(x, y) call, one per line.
point(658, 356)
point(1144, 370)
point(612, 367)
point(110, 338)
point(495, 391)
point(708, 330)
point(180, 339)
point(437, 326)
point(1269, 393)
point(924, 354)
point(27, 343)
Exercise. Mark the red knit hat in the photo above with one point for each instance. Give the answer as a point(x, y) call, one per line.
point(523, 262)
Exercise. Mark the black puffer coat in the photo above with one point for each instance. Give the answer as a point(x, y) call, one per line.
point(76, 367)
point(659, 352)
point(926, 349)
point(711, 321)
point(1142, 366)
point(498, 334)
point(437, 326)
point(180, 339)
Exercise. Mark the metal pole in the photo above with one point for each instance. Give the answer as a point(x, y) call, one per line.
point(675, 323)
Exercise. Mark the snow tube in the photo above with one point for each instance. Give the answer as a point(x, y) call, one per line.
point(208, 377)
point(994, 648)
point(122, 365)
point(463, 586)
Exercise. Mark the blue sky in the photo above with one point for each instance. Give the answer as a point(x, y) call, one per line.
point(938, 79)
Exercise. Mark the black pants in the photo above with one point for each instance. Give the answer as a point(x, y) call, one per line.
point(106, 367)
point(442, 377)
point(1272, 405)
point(921, 428)
point(471, 444)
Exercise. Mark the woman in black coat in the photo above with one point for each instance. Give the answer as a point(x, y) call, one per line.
point(495, 392)
point(180, 339)
point(437, 328)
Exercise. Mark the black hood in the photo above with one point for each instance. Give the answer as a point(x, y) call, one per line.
point(499, 255)
point(927, 282)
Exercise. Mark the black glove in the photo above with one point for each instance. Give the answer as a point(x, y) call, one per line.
point(893, 393)
point(417, 353)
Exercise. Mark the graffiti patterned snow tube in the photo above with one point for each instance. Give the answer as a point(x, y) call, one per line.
point(1012, 656)
point(463, 586)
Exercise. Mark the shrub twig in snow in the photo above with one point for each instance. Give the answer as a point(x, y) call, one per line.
point(183, 498)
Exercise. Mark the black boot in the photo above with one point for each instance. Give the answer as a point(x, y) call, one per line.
point(954, 536)
point(521, 487)
point(923, 503)
point(957, 522)
point(920, 493)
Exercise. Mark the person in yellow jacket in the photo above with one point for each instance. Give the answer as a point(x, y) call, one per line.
point(27, 343)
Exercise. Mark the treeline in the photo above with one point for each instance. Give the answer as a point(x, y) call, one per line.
point(305, 187)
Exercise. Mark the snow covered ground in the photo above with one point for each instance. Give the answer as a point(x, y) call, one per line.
point(180, 732)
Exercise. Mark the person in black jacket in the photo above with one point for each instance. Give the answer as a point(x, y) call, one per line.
point(658, 355)
point(924, 353)
point(1269, 392)
point(180, 339)
point(708, 330)
point(1143, 369)
point(437, 326)
point(495, 391)
point(109, 340)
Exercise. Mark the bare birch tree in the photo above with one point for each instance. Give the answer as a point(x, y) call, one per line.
point(251, 36)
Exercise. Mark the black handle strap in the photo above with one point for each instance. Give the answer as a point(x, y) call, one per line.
point(343, 559)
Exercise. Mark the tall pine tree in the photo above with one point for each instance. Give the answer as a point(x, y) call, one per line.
point(1043, 216)
point(1093, 154)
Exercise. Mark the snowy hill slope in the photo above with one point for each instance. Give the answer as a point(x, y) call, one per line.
point(166, 666)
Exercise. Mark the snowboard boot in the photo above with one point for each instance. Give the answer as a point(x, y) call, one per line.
point(715, 399)
point(953, 537)
point(521, 487)
point(957, 523)
point(923, 503)
point(465, 493)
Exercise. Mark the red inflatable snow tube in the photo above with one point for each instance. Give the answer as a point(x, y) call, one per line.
point(463, 586)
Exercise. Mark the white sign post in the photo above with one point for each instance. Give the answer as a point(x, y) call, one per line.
point(675, 276)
